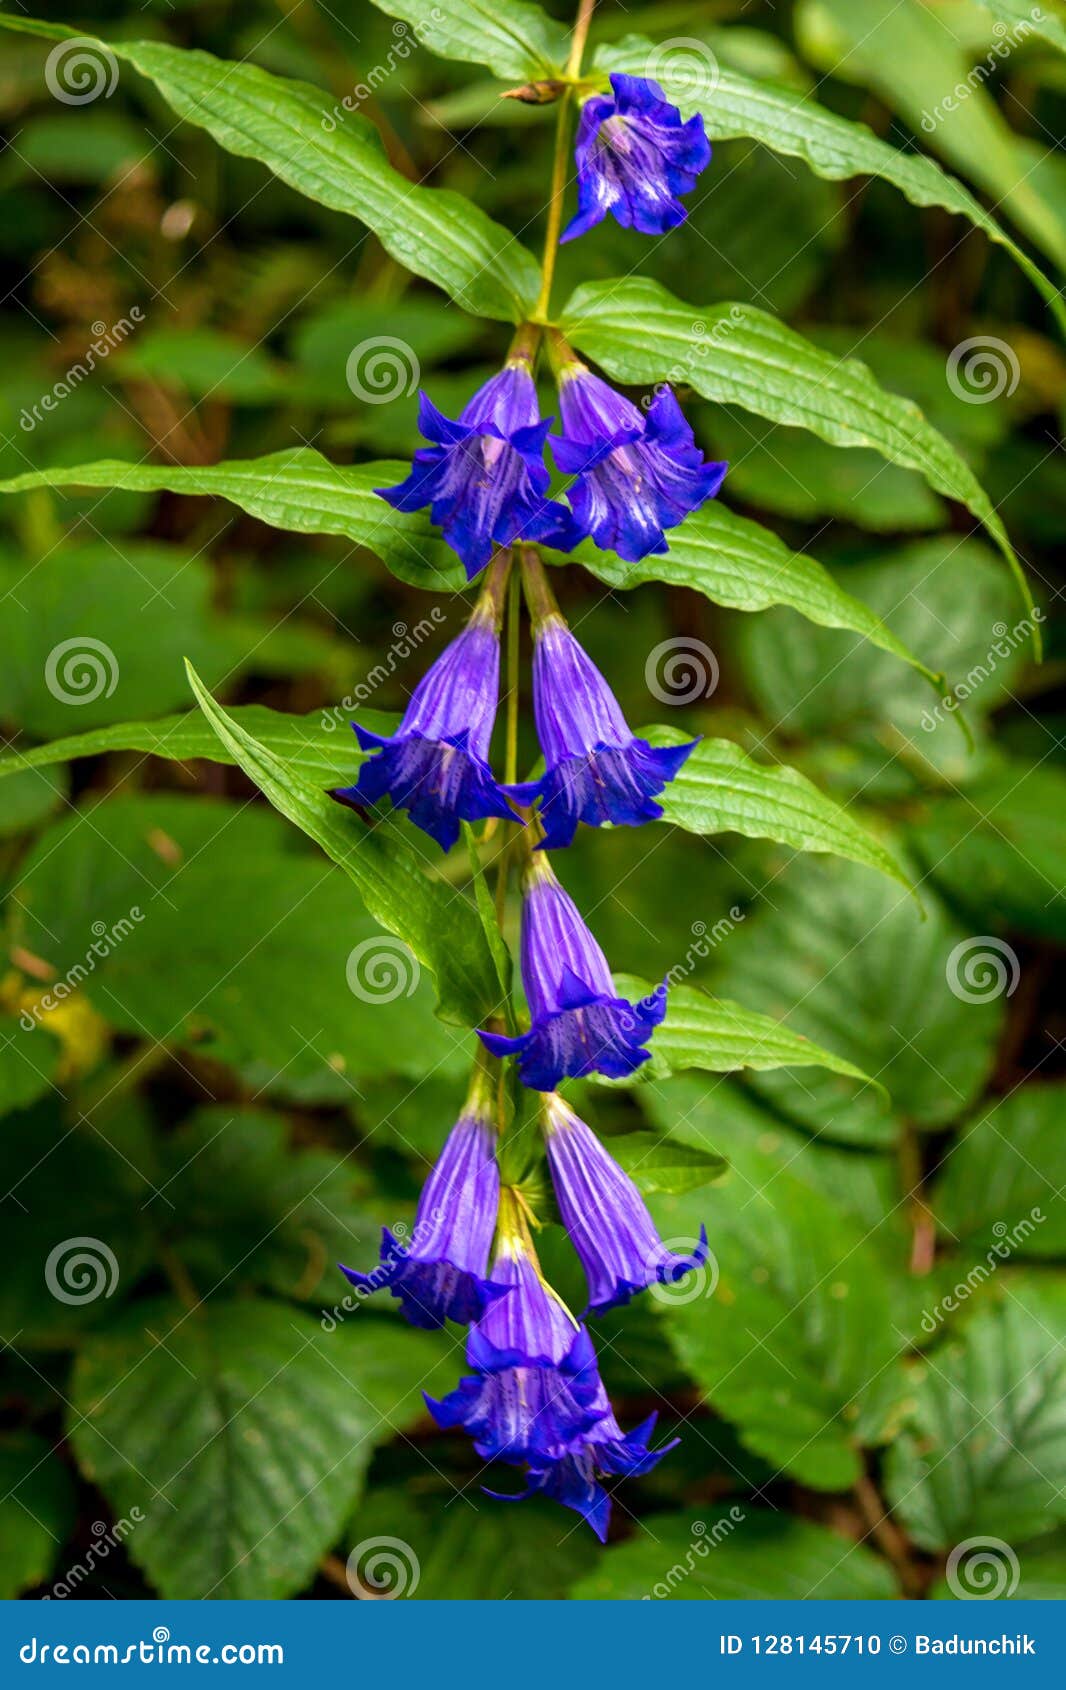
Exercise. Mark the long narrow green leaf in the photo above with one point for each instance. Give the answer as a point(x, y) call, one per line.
point(335, 156)
point(441, 927)
point(832, 147)
point(729, 559)
point(720, 789)
point(296, 489)
point(737, 355)
point(739, 564)
point(722, 1037)
point(517, 41)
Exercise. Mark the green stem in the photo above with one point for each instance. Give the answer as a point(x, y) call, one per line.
point(510, 762)
point(561, 160)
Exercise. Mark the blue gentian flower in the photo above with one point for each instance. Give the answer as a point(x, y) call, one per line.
point(578, 1026)
point(634, 156)
point(438, 1274)
point(535, 1369)
point(605, 1216)
point(636, 475)
point(435, 765)
point(596, 771)
point(484, 477)
point(572, 1478)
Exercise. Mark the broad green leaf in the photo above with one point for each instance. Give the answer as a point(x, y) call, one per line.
point(440, 926)
point(71, 1265)
point(827, 687)
point(903, 51)
point(737, 355)
point(296, 489)
point(246, 1208)
point(517, 41)
point(335, 155)
point(216, 930)
point(1001, 1189)
point(711, 1033)
point(249, 1426)
point(464, 1551)
point(738, 563)
point(30, 797)
point(664, 1165)
point(997, 850)
point(983, 1450)
point(737, 1554)
point(849, 961)
point(36, 1512)
point(93, 635)
point(721, 790)
point(792, 123)
point(788, 1331)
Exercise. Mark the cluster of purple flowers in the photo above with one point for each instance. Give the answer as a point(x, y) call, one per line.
point(533, 1396)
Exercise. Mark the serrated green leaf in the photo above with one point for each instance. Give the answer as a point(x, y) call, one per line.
point(737, 1554)
point(791, 1338)
point(251, 1428)
point(997, 852)
point(335, 155)
point(983, 1450)
point(719, 789)
point(833, 147)
point(739, 564)
point(735, 354)
point(517, 41)
point(722, 1037)
point(1001, 1187)
point(36, 1512)
point(296, 489)
point(848, 959)
point(441, 927)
